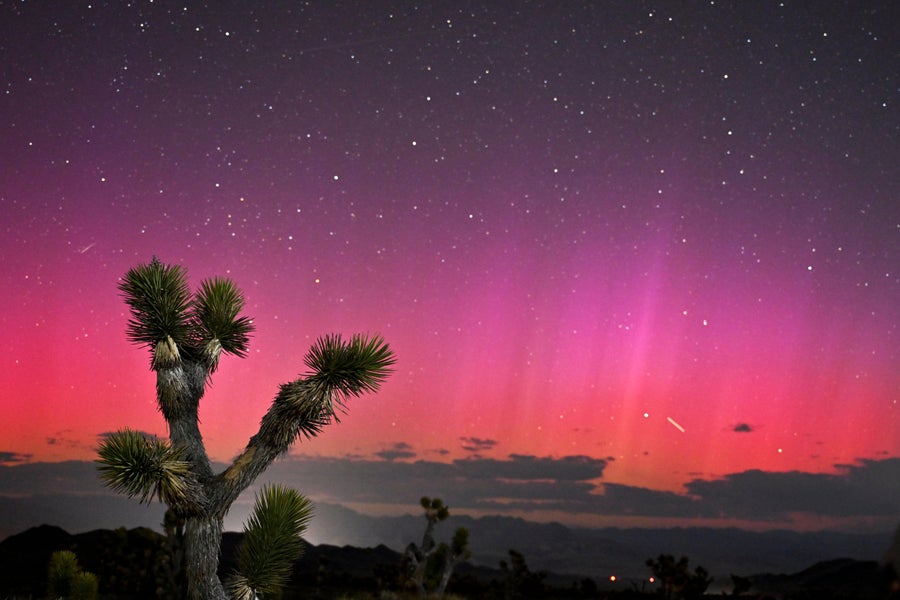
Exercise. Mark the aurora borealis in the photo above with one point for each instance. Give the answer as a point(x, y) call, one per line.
point(662, 237)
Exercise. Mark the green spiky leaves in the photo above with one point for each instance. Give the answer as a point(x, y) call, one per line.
point(338, 370)
point(166, 317)
point(65, 579)
point(271, 543)
point(435, 509)
point(160, 303)
point(348, 369)
point(217, 316)
point(135, 464)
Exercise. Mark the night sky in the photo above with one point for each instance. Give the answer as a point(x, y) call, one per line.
point(635, 248)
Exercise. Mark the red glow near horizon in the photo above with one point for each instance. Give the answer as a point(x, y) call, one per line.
point(653, 386)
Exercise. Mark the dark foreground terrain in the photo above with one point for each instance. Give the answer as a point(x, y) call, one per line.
point(133, 564)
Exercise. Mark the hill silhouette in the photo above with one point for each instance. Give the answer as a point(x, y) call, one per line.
point(601, 552)
point(130, 564)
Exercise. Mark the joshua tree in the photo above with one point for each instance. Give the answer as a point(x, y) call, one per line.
point(186, 335)
point(430, 558)
point(521, 582)
point(452, 555)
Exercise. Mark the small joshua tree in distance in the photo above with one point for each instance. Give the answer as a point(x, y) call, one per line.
point(432, 558)
point(187, 334)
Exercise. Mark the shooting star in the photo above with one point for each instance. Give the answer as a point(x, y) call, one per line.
point(675, 424)
point(88, 247)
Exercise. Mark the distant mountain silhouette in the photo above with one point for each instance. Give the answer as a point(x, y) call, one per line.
point(126, 562)
point(839, 578)
point(599, 553)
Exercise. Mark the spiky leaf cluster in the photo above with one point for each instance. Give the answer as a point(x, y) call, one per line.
point(341, 369)
point(160, 303)
point(271, 543)
point(144, 466)
point(217, 317)
point(435, 509)
point(460, 543)
point(84, 587)
point(65, 579)
point(61, 572)
point(166, 317)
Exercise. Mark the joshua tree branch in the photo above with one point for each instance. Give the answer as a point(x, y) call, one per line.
point(302, 408)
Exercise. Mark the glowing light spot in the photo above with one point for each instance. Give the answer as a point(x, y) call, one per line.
point(646, 415)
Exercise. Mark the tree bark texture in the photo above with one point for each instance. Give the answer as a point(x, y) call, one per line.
point(202, 540)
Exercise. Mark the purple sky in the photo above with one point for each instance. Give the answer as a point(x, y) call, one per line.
point(656, 241)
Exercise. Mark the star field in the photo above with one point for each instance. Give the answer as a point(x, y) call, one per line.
point(664, 235)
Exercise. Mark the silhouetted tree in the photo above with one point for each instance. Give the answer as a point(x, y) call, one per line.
point(452, 555)
point(675, 578)
point(741, 584)
point(431, 566)
point(187, 335)
point(520, 581)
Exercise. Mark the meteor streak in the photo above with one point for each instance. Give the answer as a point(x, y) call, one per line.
point(675, 424)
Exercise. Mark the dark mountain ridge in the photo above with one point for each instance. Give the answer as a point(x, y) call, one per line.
point(130, 563)
point(602, 552)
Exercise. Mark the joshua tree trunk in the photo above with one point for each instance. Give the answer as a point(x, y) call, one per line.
point(203, 537)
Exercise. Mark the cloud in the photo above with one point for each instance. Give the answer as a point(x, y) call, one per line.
point(869, 487)
point(528, 467)
point(465, 483)
point(400, 450)
point(575, 485)
point(75, 477)
point(742, 428)
point(474, 444)
point(13, 457)
point(543, 487)
point(65, 438)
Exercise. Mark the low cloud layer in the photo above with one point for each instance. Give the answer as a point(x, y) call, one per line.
point(399, 451)
point(519, 484)
point(13, 458)
point(574, 484)
point(476, 445)
point(868, 488)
